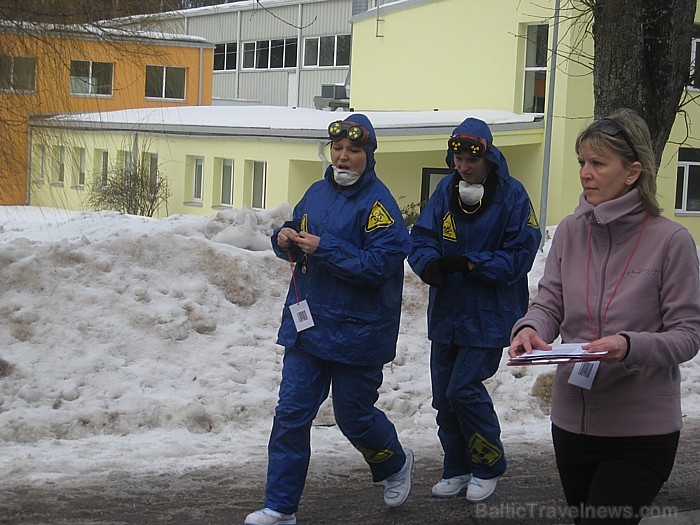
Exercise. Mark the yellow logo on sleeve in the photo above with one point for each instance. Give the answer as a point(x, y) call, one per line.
point(449, 230)
point(304, 226)
point(378, 218)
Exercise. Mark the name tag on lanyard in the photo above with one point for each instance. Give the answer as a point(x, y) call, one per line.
point(301, 315)
point(583, 374)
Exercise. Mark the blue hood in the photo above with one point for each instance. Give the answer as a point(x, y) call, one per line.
point(361, 120)
point(479, 128)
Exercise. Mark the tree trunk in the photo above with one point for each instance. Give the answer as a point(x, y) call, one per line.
point(642, 59)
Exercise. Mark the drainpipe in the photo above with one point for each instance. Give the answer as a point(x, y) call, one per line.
point(321, 145)
point(29, 162)
point(201, 62)
point(548, 126)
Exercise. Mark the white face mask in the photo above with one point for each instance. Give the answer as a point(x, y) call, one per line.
point(470, 194)
point(345, 177)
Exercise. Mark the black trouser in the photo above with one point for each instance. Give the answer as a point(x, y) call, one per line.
point(609, 479)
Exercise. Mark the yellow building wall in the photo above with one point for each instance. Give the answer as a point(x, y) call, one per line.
point(461, 54)
point(446, 54)
point(290, 168)
point(52, 89)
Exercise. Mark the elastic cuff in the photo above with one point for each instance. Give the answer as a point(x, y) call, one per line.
point(627, 338)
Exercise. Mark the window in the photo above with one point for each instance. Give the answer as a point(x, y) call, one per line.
point(165, 82)
point(259, 173)
point(61, 164)
point(17, 73)
point(270, 54)
point(688, 181)
point(695, 64)
point(225, 56)
point(153, 172)
point(102, 158)
point(91, 78)
point(82, 154)
point(124, 161)
point(41, 163)
point(535, 68)
point(429, 181)
point(198, 179)
point(327, 51)
point(227, 182)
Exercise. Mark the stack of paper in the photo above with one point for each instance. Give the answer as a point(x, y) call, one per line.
point(562, 353)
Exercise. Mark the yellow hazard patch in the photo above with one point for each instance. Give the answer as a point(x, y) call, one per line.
point(304, 226)
point(378, 218)
point(532, 218)
point(449, 230)
point(375, 456)
point(482, 451)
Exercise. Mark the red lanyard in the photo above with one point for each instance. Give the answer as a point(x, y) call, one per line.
point(597, 335)
point(294, 279)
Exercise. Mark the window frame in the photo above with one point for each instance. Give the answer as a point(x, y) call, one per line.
point(163, 81)
point(683, 173)
point(317, 42)
point(89, 81)
point(228, 58)
point(257, 51)
point(694, 65)
point(198, 179)
point(12, 80)
point(259, 184)
point(104, 168)
point(535, 72)
point(81, 168)
point(224, 175)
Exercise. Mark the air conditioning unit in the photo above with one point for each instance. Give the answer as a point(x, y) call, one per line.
point(333, 96)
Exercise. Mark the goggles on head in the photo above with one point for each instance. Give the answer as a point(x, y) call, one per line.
point(612, 128)
point(469, 144)
point(354, 133)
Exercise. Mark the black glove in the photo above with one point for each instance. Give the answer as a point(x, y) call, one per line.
point(433, 273)
point(453, 264)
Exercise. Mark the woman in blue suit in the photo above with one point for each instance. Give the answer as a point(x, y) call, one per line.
point(340, 323)
point(474, 243)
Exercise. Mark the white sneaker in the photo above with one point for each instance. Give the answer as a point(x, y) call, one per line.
point(451, 487)
point(397, 487)
point(479, 490)
point(270, 517)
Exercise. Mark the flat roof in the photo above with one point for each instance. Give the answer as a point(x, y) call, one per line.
point(279, 121)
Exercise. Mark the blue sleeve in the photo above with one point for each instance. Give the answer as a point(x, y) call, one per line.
point(516, 255)
point(294, 253)
point(426, 234)
point(381, 256)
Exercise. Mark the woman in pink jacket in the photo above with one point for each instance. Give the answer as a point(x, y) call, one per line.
point(624, 280)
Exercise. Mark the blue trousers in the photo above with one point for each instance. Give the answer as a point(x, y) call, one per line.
point(468, 426)
point(306, 382)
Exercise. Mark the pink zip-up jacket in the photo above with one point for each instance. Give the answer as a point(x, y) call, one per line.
point(656, 304)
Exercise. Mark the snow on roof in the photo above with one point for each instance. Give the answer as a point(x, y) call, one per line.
point(280, 121)
point(98, 31)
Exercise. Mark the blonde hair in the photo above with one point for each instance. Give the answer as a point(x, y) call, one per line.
point(639, 150)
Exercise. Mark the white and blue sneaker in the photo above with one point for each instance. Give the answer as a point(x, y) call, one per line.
point(451, 487)
point(397, 487)
point(268, 516)
point(479, 490)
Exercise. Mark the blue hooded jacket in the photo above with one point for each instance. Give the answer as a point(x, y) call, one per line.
point(353, 282)
point(480, 307)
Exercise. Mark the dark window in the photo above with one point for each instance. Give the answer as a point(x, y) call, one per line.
point(91, 78)
point(165, 82)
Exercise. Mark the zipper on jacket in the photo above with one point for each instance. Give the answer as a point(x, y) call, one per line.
point(599, 313)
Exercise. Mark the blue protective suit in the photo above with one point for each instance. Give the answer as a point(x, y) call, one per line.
point(354, 281)
point(479, 308)
point(470, 316)
point(353, 284)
